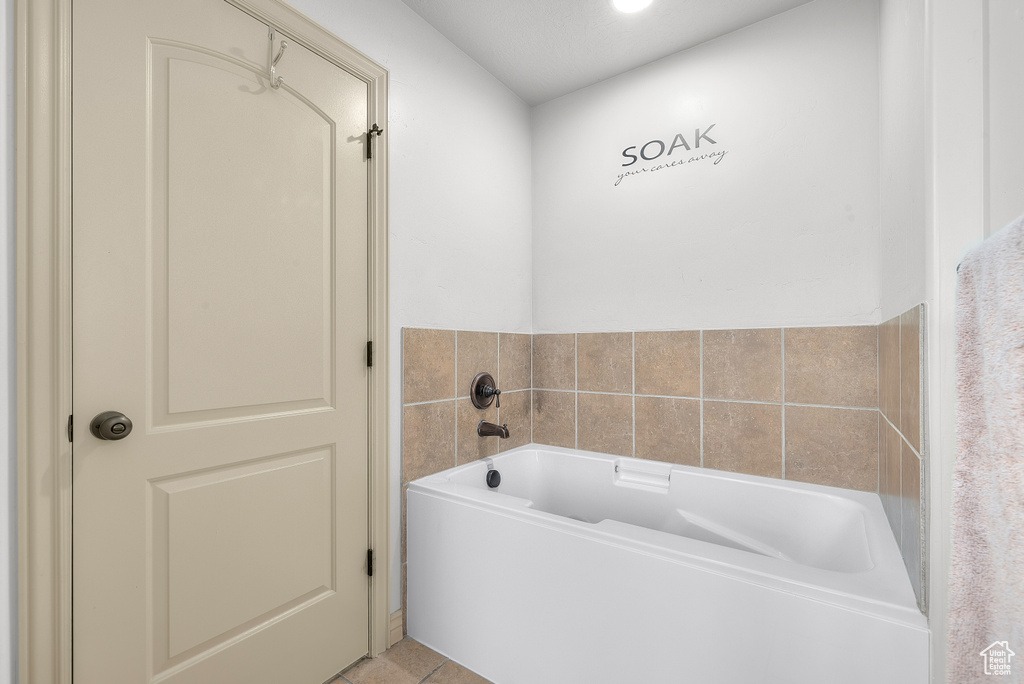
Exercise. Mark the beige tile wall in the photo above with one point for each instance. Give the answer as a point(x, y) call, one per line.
point(439, 420)
point(838, 406)
point(799, 403)
point(902, 458)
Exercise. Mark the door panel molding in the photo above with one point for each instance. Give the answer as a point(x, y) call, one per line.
point(196, 396)
point(43, 277)
point(184, 501)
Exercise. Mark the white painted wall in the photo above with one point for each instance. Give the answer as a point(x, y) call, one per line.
point(944, 186)
point(8, 450)
point(956, 220)
point(904, 145)
point(975, 70)
point(1005, 29)
point(460, 230)
point(905, 233)
point(782, 231)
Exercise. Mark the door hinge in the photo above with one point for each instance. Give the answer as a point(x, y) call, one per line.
point(369, 562)
point(369, 354)
point(376, 130)
point(71, 428)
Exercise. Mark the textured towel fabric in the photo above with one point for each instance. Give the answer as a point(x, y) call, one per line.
point(986, 587)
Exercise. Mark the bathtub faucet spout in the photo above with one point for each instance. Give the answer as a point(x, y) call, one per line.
point(485, 429)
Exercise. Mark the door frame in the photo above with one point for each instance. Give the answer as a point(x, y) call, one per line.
point(43, 281)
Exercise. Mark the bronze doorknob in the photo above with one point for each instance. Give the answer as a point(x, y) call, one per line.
point(111, 425)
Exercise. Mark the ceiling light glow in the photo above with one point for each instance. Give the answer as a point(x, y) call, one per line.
point(630, 6)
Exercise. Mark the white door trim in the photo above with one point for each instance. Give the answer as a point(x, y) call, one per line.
point(43, 280)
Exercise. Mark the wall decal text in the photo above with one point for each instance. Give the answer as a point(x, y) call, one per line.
point(654, 149)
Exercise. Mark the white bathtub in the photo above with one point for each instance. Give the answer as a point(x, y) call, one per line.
point(588, 568)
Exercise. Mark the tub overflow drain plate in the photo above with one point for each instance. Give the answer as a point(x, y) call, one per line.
point(493, 478)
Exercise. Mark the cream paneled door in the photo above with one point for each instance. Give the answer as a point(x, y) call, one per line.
point(220, 303)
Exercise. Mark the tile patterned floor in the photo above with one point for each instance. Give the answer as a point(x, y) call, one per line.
point(408, 662)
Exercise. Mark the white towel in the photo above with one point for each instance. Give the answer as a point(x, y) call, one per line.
point(986, 587)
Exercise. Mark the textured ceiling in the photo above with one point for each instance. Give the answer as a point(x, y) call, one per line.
point(542, 49)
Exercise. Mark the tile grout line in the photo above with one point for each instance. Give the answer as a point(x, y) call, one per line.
point(878, 400)
point(882, 382)
point(401, 480)
point(899, 412)
point(701, 363)
point(903, 438)
point(401, 428)
point(456, 399)
point(722, 401)
point(688, 398)
point(576, 382)
point(466, 396)
point(531, 389)
point(497, 382)
point(825, 406)
point(922, 359)
point(434, 671)
point(783, 335)
point(900, 432)
point(563, 391)
point(634, 392)
point(924, 499)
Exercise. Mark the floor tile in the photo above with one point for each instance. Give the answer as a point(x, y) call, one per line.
point(453, 673)
point(407, 662)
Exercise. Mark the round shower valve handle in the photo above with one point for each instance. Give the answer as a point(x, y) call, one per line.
point(482, 391)
point(111, 425)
